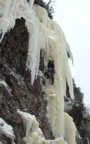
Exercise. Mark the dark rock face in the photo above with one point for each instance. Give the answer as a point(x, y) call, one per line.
point(16, 91)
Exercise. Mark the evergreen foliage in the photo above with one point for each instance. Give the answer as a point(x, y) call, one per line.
point(78, 94)
point(80, 114)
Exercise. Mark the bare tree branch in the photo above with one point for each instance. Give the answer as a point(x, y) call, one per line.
point(48, 3)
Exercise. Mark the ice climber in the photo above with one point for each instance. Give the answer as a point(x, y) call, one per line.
point(49, 73)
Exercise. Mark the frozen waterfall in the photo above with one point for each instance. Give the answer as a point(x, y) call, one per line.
point(47, 35)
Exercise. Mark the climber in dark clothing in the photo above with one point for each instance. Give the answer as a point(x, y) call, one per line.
point(50, 71)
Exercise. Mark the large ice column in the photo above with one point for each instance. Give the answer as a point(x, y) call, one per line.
point(34, 135)
point(55, 106)
point(57, 51)
point(55, 95)
point(55, 114)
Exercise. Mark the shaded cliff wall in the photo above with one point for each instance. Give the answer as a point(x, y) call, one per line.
point(16, 91)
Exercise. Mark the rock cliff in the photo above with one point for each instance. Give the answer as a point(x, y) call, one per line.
point(16, 91)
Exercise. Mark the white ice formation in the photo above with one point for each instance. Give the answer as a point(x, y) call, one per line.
point(47, 35)
point(34, 135)
point(7, 130)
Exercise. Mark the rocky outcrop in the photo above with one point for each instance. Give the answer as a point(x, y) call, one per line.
point(16, 91)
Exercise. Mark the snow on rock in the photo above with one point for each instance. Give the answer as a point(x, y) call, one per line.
point(7, 130)
point(34, 135)
point(2, 82)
